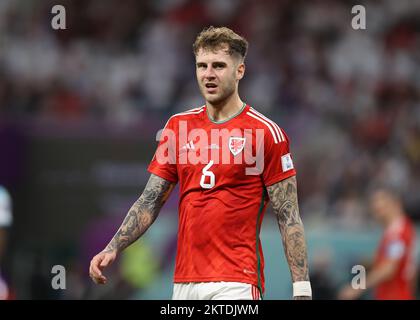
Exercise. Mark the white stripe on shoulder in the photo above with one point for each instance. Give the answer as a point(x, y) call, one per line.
point(273, 124)
point(276, 127)
point(191, 111)
point(266, 123)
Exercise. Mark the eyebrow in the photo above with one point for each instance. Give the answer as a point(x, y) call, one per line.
point(215, 63)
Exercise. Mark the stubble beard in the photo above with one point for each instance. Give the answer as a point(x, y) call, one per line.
point(218, 99)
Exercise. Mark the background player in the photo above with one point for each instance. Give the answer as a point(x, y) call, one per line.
point(393, 272)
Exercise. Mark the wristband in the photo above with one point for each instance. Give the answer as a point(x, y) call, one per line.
point(302, 289)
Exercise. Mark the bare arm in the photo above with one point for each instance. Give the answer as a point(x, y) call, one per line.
point(283, 196)
point(382, 273)
point(376, 276)
point(142, 214)
point(138, 219)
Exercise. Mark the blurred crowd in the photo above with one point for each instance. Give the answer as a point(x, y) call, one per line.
point(348, 99)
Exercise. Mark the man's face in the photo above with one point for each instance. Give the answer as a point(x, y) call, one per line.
point(381, 204)
point(217, 74)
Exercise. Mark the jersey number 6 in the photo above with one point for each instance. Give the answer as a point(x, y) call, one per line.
point(207, 173)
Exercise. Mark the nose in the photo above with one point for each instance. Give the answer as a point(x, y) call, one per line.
point(209, 73)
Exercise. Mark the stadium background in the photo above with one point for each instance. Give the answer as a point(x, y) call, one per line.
point(80, 108)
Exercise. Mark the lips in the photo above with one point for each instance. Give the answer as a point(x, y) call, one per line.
point(211, 87)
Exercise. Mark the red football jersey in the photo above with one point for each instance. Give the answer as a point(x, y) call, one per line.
point(398, 243)
point(223, 169)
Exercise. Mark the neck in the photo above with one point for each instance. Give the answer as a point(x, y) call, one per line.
point(225, 109)
point(394, 217)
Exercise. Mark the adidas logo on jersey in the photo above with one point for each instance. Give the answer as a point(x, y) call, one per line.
point(189, 146)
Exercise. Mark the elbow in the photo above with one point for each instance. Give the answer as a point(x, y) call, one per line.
point(389, 271)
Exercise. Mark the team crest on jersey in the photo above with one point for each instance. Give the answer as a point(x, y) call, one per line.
point(236, 145)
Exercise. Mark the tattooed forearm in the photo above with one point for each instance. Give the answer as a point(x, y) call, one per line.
point(142, 214)
point(283, 196)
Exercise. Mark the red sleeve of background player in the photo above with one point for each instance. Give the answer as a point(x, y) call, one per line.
point(395, 245)
point(163, 163)
point(278, 162)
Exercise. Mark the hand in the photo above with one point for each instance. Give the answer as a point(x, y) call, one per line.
point(98, 263)
point(348, 293)
point(302, 298)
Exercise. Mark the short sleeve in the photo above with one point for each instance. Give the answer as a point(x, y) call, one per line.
point(163, 163)
point(278, 161)
point(5, 208)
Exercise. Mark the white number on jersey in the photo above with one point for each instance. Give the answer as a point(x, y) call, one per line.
point(207, 173)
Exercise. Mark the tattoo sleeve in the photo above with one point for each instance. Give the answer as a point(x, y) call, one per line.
point(142, 214)
point(283, 196)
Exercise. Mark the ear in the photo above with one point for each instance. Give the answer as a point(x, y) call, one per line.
point(240, 71)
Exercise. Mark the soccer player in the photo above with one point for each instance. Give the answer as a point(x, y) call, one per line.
point(223, 194)
point(393, 272)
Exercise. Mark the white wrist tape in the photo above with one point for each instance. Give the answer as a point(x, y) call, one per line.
point(302, 289)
